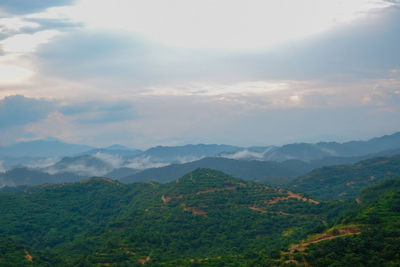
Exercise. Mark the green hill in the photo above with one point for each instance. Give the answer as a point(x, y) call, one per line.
point(345, 181)
point(205, 214)
point(205, 218)
point(271, 172)
point(370, 237)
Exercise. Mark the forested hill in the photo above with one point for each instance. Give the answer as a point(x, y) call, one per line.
point(268, 172)
point(345, 181)
point(204, 214)
point(369, 237)
point(274, 172)
point(205, 218)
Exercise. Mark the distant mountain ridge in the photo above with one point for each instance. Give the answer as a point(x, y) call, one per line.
point(240, 168)
point(269, 164)
point(307, 152)
point(303, 151)
point(115, 150)
point(25, 176)
point(269, 172)
point(187, 152)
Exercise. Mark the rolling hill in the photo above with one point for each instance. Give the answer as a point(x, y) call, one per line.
point(277, 172)
point(101, 221)
point(345, 181)
point(268, 172)
point(205, 218)
point(367, 237)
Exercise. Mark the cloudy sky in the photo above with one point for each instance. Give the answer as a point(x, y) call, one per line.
point(156, 72)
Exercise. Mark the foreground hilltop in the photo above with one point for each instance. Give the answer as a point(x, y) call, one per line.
point(206, 213)
point(205, 218)
point(368, 236)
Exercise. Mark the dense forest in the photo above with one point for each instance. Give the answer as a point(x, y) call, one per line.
point(205, 218)
point(370, 237)
point(345, 181)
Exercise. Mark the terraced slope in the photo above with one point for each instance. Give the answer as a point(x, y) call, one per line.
point(205, 214)
point(370, 237)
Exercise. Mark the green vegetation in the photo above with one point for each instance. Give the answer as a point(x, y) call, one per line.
point(375, 239)
point(206, 218)
point(346, 181)
point(205, 214)
point(13, 254)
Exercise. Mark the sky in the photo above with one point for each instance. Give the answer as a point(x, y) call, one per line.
point(240, 72)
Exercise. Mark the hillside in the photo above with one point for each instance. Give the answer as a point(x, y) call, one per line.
point(268, 172)
point(206, 218)
point(370, 237)
point(25, 176)
point(274, 172)
point(200, 215)
point(345, 181)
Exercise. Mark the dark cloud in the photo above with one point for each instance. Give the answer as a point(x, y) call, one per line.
point(31, 6)
point(119, 58)
point(61, 25)
point(367, 48)
point(19, 110)
point(58, 24)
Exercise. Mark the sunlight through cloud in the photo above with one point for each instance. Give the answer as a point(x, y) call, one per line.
point(223, 24)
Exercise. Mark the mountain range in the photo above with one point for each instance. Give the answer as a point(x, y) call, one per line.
point(271, 164)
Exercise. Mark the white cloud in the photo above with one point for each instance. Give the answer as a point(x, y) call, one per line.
point(215, 89)
point(42, 163)
point(115, 161)
point(223, 24)
point(142, 163)
point(189, 95)
point(2, 170)
point(24, 43)
point(15, 24)
point(244, 154)
point(183, 159)
point(12, 74)
point(80, 169)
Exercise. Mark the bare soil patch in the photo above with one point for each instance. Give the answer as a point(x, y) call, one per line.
point(325, 236)
point(195, 211)
point(28, 256)
point(290, 194)
point(143, 261)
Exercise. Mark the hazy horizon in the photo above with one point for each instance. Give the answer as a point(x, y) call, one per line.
point(186, 144)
